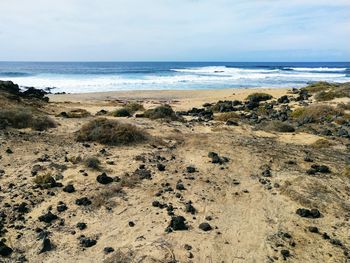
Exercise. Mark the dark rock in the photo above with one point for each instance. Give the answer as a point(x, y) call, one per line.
point(143, 174)
point(313, 229)
point(336, 242)
point(283, 99)
point(46, 246)
point(189, 208)
point(5, 250)
point(161, 167)
point(83, 201)
point(108, 250)
point(61, 207)
point(104, 179)
point(180, 186)
point(313, 213)
point(190, 169)
point(81, 226)
point(325, 236)
point(177, 223)
point(205, 227)
point(321, 168)
point(231, 123)
point(87, 242)
point(9, 151)
point(48, 217)
point(285, 253)
point(131, 224)
point(69, 188)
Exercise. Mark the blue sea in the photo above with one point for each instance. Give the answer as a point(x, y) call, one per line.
point(76, 77)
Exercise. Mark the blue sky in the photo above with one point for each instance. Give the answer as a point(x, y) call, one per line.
point(175, 30)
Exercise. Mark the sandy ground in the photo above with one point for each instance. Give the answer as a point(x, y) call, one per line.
point(253, 218)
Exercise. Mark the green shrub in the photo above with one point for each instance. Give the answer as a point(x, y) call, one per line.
point(259, 96)
point(21, 118)
point(133, 107)
point(162, 112)
point(110, 132)
point(316, 113)
point(123, 112)
point(319, 86)
point(227, 116)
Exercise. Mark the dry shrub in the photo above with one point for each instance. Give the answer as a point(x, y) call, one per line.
point(316, 113)
point(120, 257)
point(319, 86)
point(322, 143)
point(92, 163)
point(110, 132)
point(103, 197)
point(162, 112)
point(122, 112)
point(344, 106)
point(227, 116)
point(259, 96)
point(45, 180)
point(76, 113)
point(278, 126)
point(134, 107)
point(21, 117)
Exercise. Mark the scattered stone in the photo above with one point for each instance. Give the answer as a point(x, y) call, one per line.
point(104, 179)
point(61, 207)
point(5, 250)
point(313, 229)
point(336, 242)
point(180, 186)
point(205, 227)
point(81, 226)
point(313, 213)
point(87, 242)
point(108, 250)
point(69, 188)
point(285, 253)
point(161, 167)
point(177, 223)
point(46, 246)
point(131, 224)
point(48, 217)
point(84, 201)
point(143, 174)
point(190, 169)
point(215, 158)
point(189, 208)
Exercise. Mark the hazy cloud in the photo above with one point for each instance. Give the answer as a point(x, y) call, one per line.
point(175, 30)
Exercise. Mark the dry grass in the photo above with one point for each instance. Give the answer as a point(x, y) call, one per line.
point(277, 126)
point(322, 144)
point(134, 107)
point(227, 116)
point(259, 96)
point(110, 132)
point(103, 197)
point(316, 113)
point(44, 180)
point(76, 113)
point(319, 86)
point(21, 117)
point(162, 112)
point(92, 163)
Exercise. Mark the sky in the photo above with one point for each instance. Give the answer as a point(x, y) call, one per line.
point(175, 30)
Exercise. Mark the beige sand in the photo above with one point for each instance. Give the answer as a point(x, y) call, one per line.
point(248, 217)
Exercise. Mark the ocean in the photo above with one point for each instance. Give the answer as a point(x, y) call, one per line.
point(74, 77)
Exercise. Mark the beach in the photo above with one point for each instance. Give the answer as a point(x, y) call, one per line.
point(227, 183)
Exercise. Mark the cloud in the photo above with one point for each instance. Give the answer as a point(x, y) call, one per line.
point(174, 30)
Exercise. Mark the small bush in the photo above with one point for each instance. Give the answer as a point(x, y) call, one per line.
point(344, 106)
point(279, 126)
point(42, 123)
point(316, 113)
point(227, 116)
point(322, 143)
point(92, 163)
point(110, 132)
point(319, 86)
point(133, 107)
point(22, 118)
point(76, 113)
point(45, 180)
point(123, 112)
point(259, 96)
point(162, 112)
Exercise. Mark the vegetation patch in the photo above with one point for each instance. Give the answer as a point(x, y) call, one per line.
point(319, 86)
point(110, 132)
point(322, 143)
point(162, 112)
point(227, 116)
point(316, 114)
point(76, 113)
point(22, 117)
point(123, 112)
point(92, 163)
point(277, 126)
point(259, 96)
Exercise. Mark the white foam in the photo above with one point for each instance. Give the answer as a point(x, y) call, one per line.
point(319, 69)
